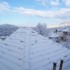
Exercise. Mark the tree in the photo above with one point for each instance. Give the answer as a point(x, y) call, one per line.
point(41, 29)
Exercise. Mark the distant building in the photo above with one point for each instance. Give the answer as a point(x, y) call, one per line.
point(54, 36)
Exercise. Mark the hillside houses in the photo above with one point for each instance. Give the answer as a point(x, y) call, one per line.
point(61, 36)
point(54, 36)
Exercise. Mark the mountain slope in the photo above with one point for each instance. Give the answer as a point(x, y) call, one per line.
point(6, 29)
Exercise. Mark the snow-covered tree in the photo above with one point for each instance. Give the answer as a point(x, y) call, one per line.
point(41, 29)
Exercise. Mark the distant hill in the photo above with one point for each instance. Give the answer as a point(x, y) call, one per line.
point(7, 26)
point(7, 29)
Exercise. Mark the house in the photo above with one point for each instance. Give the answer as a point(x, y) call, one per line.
point(66, 38)
point(66, 31)
point(25, 49)
point(54, 36)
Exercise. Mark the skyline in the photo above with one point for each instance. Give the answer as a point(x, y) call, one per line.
point(32, 12)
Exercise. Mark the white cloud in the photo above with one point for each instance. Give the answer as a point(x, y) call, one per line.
point(59, 14)
point(63, 13)
point(67, 2)
point(33, 12)
point(48, 2)
point(4, 6)
point(43, 2)
point(54, 3)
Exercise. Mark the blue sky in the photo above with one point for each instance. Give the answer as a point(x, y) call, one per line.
point(31, 12)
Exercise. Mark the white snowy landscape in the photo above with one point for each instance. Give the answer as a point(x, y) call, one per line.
point(34, 34)
point(26, 49)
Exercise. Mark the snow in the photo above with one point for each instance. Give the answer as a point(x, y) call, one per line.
point(25, 49)
point(66, 30)
point(52, 34)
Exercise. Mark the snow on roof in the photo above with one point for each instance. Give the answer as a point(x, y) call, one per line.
point(53, 34)
point(0, 40)
point(66, 30)
point(27, 50)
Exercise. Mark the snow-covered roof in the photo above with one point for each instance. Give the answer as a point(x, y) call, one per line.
point(52, 34)
point(27, 50)
point(66, 30)
point(0, 40)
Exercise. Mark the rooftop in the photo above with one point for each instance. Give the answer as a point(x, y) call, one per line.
point(25, 49)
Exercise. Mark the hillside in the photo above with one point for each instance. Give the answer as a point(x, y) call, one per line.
point(7, 30)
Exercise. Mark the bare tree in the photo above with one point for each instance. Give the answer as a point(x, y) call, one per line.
point(41, 29)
